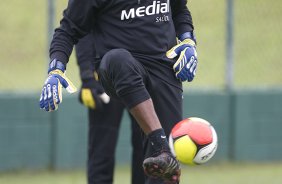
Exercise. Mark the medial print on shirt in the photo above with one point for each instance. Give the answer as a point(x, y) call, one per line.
point(156, 8)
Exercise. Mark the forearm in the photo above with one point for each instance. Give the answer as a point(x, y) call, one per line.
point(75, 24)
point(61, 46)
point(85, 54)
point(181, 17)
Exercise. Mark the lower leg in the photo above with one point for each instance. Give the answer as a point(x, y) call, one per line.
point(161, 164)
point(145, 115)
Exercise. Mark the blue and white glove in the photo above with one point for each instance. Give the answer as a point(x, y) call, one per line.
point(51, 95)
point(186, 65)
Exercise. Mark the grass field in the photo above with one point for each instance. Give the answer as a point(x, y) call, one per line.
point(23, 53)
point(213, 174)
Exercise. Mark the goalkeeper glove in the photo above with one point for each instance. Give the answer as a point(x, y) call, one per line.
point(51, 95)
point(186, 65)
point(92, 94)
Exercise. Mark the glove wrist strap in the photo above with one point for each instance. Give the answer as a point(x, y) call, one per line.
point(187, 35)
point(56, 64)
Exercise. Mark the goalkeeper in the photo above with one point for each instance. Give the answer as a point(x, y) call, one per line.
point(139, 63)
point(104, 121)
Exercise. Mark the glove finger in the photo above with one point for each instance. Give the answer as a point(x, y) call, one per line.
point(105, 98)
point(71, 88)
point(180, 62)
point(187, 75)
point(48, 91)
point(53, 98)
point(50, 97)
point(193, 67)
point(100, 99)
point(190, 78)
point(191, 73)
point(87, 98)
point(51, 105)
point(190, 63)
point(190, 68)
point(66, 83)
point(171, 53)
point(180, 75)
point(41, 100)
point(176, 50)
point(195, 71)
point(57, 93)
point(45, 97)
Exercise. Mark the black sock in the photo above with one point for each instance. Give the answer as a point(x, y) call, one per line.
point(158, 141)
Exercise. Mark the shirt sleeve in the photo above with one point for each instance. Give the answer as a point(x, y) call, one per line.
point(76, 23)
point(85, 54)
point(181, 16)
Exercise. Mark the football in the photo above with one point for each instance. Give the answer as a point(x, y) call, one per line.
point(193, 141)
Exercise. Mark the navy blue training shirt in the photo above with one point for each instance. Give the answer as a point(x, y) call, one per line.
point(146, 28)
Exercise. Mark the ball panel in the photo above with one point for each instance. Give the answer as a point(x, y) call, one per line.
point(185, 150)
point(198, 129)
point(207, 152)
point(200, 133)
point(180, 129)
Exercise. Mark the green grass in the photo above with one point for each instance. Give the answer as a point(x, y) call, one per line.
point(211, 174)
point(23, 53)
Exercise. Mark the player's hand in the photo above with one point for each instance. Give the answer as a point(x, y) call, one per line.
point(186, 65)
point(92, 95)
point(51, 95)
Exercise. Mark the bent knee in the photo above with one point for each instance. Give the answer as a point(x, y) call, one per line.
point(117, 53)
point(115, 58)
